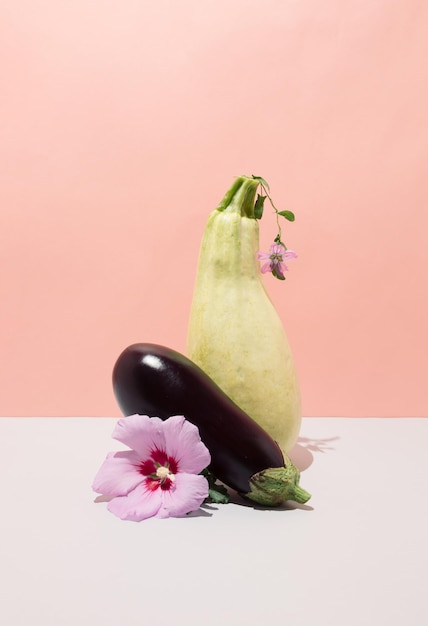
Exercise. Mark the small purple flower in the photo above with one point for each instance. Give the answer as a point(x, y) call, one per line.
point(160, 475)
point(275, 260)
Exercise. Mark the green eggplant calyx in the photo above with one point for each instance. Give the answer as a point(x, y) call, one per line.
point(240, 197)
point(273, 486)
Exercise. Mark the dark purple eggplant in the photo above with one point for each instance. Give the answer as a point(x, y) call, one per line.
point(154, 380)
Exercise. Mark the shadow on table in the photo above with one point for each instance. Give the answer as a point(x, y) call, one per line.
point(235, 498)
point(301, 455)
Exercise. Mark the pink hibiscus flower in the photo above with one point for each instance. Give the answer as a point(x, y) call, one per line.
point(275, 260)
point(159, 475)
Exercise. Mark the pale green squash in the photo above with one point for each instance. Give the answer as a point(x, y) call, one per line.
point(235, 334)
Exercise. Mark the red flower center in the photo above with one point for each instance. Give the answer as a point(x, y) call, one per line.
point(159, 469)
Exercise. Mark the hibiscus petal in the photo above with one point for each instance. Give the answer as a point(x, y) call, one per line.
point(141, 433)
point(188, 494)
point(289, 254)
point(138, 505)
point(184, 444)
point(119, 474)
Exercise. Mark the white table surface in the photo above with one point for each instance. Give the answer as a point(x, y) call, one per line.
point(356, 554)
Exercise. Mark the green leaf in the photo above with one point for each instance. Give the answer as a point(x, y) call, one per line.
point(289, 215)
point(217, 496)
point(262, 181)
point(217, 492)
point(259, 206)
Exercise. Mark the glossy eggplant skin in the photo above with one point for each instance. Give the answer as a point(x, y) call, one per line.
point(154, 380)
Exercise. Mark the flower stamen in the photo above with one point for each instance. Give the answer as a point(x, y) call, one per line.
point(163, 473)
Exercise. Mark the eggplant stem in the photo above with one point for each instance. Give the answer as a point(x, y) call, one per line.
point(300, 495)
point(273, 486)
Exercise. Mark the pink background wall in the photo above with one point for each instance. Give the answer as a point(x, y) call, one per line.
point(123, 123)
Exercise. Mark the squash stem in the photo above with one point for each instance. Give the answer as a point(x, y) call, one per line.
point(240, 197)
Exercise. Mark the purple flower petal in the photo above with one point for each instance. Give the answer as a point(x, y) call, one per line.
point(188, 494)
point(266, 267)
point(277, 248)
point(141, 433)
point(139, 504)
point(279, 268)
point(184, 444)
point(261, 256)
point(119, 474)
